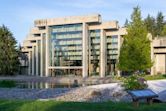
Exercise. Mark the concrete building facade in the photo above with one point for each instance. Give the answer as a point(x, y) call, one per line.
point(158, 55)
point(79, 45)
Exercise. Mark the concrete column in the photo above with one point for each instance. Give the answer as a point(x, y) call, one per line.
point(152, 72)
point(103, 56)
point(85, 51)
point(37, 58)
point(47, 52)
point(29, 63)
point(33, 86)
point(41, 58)
point(46, 85)
point(33, 60)
point(41, 85)
point(152, 58)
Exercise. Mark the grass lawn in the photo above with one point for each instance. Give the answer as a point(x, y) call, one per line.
point(22, 105)
point(155, 77)
point(147, 77)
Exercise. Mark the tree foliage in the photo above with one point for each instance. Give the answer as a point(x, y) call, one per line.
point(156, 26)
point(163, 33)
point(150, 25)
point(135, 50)
point(159, 23)
point(9, 62)
point(126, 23)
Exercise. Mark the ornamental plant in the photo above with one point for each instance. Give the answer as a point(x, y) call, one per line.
point(134, 82)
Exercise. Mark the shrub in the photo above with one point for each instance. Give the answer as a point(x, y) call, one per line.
point(134, 82)
point(7, 83)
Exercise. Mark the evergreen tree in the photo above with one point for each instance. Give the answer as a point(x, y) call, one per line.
point(9, 63)
point(163, 33)
point(159, 23)
point(150, 25)
point(126, 23)
point(135, 50)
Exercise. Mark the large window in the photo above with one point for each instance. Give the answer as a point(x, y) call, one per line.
point(94, 52)
point(112, 53)
point(66, 45)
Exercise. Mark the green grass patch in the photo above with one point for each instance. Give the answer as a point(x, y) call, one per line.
point(147, 77)
point(22, 105)
point(7, 83)
point(155, 77)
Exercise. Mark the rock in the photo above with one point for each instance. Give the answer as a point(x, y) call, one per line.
point(117, 94)
point(95, 93)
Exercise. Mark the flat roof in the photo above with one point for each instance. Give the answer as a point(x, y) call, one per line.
point(68, 20)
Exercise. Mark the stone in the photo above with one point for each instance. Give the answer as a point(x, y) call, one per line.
point(95, 93)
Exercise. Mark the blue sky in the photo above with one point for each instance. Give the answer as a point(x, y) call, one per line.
point(19, 15)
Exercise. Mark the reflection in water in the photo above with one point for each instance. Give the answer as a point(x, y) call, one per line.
point(45, 85)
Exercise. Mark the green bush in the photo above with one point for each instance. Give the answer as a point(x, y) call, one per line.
point(134, 82)
point(7, 83)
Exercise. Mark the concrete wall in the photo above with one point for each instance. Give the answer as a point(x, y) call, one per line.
point(159, 56)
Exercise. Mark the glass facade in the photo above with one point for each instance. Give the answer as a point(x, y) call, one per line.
point(65, 48)
point(66, 45)
point(94, 52)
point(112, 54)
